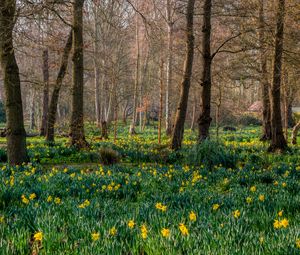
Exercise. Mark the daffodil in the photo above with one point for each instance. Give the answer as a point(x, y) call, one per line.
point(236, 214)
point(183, 229)
point(95, 236)
point(38, 236)
point(215, 207)
point(144, 231)
point(131, 224)
point(165, 232)
point(192, 216)
point(113, 231)
point(261, 198)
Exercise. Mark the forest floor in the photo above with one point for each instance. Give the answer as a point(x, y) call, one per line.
point(224, 197)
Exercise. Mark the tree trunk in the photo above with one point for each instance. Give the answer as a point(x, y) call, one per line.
point(97, 71)
point(265, 86)
point(295, 133)
point(32, 125)
point(170, 25)
point(160, 100)
point(55, 94)
point(16, 135)
point(137, 77)
point(205, 118)
point(77, 125)
point(45, 92)
point(177, 135)
point(278, 141)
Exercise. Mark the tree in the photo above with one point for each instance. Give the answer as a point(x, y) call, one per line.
point(57, 87)
point(16, 135)
point(77, 125)
point(278, 141)
point(178, 131)
point(205, 118)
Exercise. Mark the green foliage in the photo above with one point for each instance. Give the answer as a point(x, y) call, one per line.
point(210, 153)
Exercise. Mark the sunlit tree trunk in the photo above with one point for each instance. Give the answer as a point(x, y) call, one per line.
point(16, 135)
point(177, 135)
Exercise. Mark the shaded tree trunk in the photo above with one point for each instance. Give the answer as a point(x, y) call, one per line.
point(278, 141)
point(170, 25)
point(55, 94)
point(160, 100)
point(77, 125)
point(45, 92)
point(137, 77)
point(97, 71)
point(16, 135)
point(205, 118)
point(265, 86)
point(177, 135)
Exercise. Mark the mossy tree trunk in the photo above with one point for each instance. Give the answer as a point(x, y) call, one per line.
point(16, 135)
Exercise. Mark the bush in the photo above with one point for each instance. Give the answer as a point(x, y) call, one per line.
point(210, 154)
point(248, 120)
point(3, 155)
point(108, 156)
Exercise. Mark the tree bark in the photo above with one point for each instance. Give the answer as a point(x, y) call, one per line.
point(177, 135)
point(45, 92)
point(55, 94)
point(278, 141)
point(16, 135)
point(77, 125)
point(265, 86)
point(160, 100)
point(205, 118)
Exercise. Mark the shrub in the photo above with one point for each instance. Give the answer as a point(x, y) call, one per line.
point(108, 156)
point(210, 154)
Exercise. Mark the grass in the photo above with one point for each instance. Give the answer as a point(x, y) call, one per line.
point(69, 199)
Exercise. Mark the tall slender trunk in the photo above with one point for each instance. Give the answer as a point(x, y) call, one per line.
point(205, 118)
point(45, 92)
point(16, 135)
point(97, 71)
point(265, 86)
point(55, 94)
point(32, 111)
point(177, 135)
point(170, 25)
point(278, 141)
point(137, 77)
point(161, 89)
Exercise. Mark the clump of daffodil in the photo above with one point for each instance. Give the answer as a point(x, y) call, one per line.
point(281, 223)
point(161, 207)
point(298, 243)
point(85, 204)
point(236, 214)
point(113, 231)
point(49, 199)
point(57, 200)
point(131, 224)
point(32, 196)
point(183, 229)
point(261, 198)
point(95, 236)
point(165, 232)
point(144, 231)
point(193, 216)
point(249, 200)
point(38, 236)
point(215, 207)
point(253, 189)
point(24, 199)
